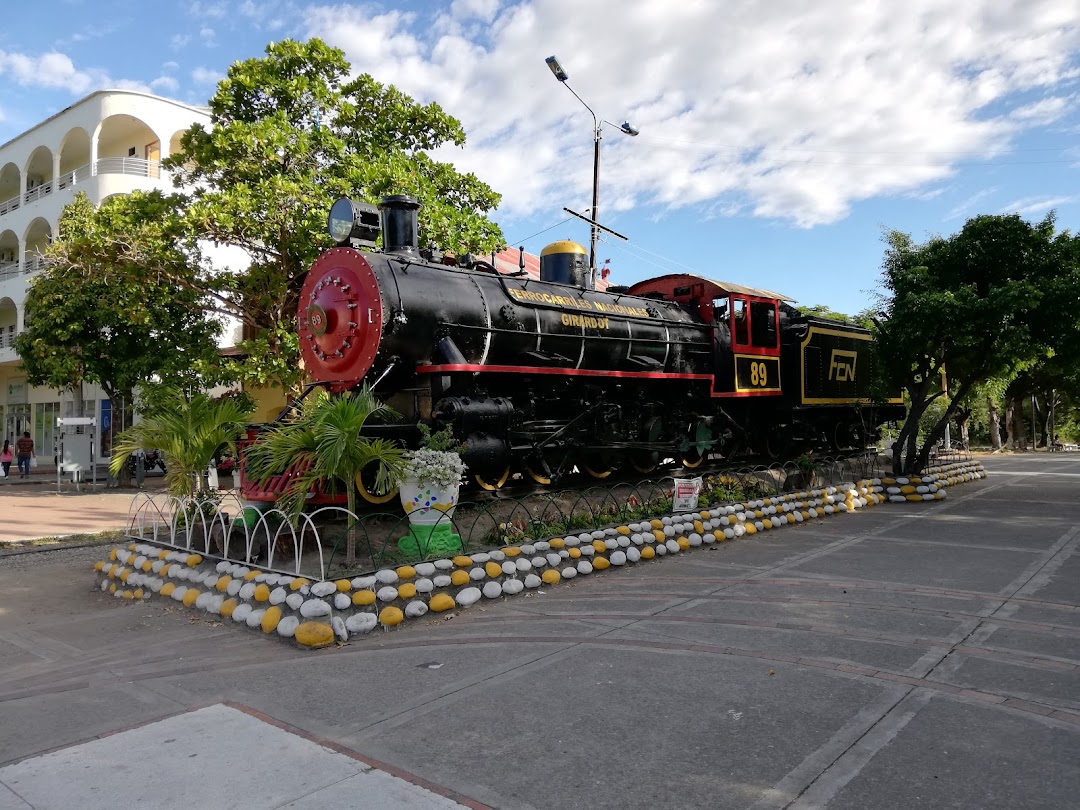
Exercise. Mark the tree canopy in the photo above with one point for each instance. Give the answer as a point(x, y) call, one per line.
point(291, 132)
point(988, 302)
point(102, 316)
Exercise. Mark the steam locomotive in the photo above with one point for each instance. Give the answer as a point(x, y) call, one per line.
point(546, 376)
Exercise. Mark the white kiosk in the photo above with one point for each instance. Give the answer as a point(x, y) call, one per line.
point(75, 444)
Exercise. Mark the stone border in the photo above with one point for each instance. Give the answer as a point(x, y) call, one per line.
point(319, 613)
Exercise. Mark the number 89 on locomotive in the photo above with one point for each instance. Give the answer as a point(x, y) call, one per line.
point(756, 373)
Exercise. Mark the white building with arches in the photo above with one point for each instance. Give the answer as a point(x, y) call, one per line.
point(110, 142)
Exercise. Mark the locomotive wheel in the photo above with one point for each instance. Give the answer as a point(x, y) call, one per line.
point(700, 441)
point(691, 460)
point(642, 468)
point(538, 477)
point(365, 485)
point(601, 471)
point(645, 461)
point(493, 484)
point(596, 465)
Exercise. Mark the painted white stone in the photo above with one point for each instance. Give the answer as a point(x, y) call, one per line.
point(564, 554)
point(669, 531)
point(362, 583)
point(386, 576)
point(342, 601)
point(157, 565)
point(415, 609)
point(666, 520)
point(522, 566)
point(467, 596)
point(672, 546)
point(424, 585)
point(611, 543)
point(105, 584)
point(312, 608)
point(543, 546)
point(287, 626)
point(139, 561)
point(424, 569)
point(360, 623)
point(241, 572)
point(492, 589)
point(247, 590)
point(442, 581)
point(695, 539)
point(528, 550)
point(322, 589)
point(632, 554)
point(584, 567)
point(480, 558)
point(635, 528)
point(587, 551)
point(569, 572)
point(286, 581)
point(637, 539)
point(242, 612)
point(738, 530)
point(213, 604)
point(585, 537)
point(294, 600)
point(710, 537)
point(477, 574)
point(202, 599)
point(533, 581)
point(156, 585)
point(261, 577)
point(539, 562)
point(338, 625)
point(623, 541)
point(178, 594)
point(512, 586)
point(553, 559)
point(497, 556)
point(617, 558)
point(508, 567)
point(277, 596)
point(255, 617)
point(388, 593)
point(661, 549)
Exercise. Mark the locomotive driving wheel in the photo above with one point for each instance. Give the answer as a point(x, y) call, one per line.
point(697, 445)
point(493, 483)
point(596, 465)
point(645, 461)
point(365, 485)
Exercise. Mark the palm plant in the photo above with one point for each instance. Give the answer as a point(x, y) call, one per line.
point(190, 430)
point(323, 443)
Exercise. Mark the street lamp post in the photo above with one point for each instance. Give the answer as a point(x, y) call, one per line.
point(598, 123)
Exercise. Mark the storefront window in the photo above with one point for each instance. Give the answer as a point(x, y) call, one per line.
point(45, 416)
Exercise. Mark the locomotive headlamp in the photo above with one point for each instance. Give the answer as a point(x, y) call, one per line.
point(353, 223)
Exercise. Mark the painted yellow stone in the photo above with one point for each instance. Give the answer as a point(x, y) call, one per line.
point(684, 543)
point(127, 595)
point(270, 619)
point(557, 542)
point(112, 588)
point(132, 546)
point(406, 590)
point(223, 582)
point(623, 530)
point(659, 535)
point(461, 561)
point(441, 602)
point(363, 597)
point(767, 523)
point(388, 617)
point(551, 576)
point(262, 592)
point(600, 563)
point(751, 528)
point(343, 585)
point(99, 566)
point(406, 572)
point(759, 514)
point(648, 552)
point(512, 551)
point(146, 566)
point(703, 515)
point(493, 569)
point(112, 555)
point(907, 489)
point(767, 501)
point(163, 554)
point(227, 607)
point(250, 575)
point(914, 498)
point(459, 577)
point(124, 574)
point(193, 560)
point(575, 553)
point(314, 634)
point(165, 569)
point(699, 527)
point(168, 588)
point(139, 593)
point(190, 595)
point(719, 535)
point(298, 583)
point(599, 546)
point(657, 524)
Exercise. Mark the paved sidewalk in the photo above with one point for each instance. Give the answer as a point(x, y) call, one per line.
point(905, 656)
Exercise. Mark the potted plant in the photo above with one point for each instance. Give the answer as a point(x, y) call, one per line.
point(429, 485)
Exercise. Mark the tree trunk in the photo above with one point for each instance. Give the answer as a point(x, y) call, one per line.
point(1010, 432)
point(994, 419)
point(1019, 430)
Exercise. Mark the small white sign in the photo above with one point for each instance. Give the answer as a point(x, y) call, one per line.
point(687, 491)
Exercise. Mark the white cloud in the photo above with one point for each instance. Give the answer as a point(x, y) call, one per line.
point(179, 41)
point(201, 75)
point(786, 109)
point(208, 37)
point(1036, 205)
point(170, 66)
point(165, 83)
point(51, 70)
point(968, 206)
point(208, 10)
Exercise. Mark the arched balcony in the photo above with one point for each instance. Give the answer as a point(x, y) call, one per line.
point(39, 174)
point(37, 239)
point(9, 254)
point(10, 188)
point(75, 158)
point(9, 324)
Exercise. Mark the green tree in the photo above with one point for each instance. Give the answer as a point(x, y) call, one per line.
point(984, 303)
point(322, 444)
point(96, 315)
point(190, 429)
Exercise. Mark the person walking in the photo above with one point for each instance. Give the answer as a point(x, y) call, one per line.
point(6, 457)
point(24, 450)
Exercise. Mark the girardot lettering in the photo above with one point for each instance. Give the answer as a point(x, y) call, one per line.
point(584, 320)
point(842, 365)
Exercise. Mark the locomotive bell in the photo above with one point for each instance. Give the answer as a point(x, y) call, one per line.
point(399, 229)
point(565, 262)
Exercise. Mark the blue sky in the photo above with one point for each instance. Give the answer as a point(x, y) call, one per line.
point(779, 138)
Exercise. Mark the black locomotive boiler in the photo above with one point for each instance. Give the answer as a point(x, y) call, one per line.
point(546, 375)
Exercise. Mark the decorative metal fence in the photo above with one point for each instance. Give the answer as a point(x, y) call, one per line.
point(331, 542)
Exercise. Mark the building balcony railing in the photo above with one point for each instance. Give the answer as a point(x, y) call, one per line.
point(7, 337)
point(135, 167)
point(9, 269)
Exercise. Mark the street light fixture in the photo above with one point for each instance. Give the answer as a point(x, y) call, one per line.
point(598, 123)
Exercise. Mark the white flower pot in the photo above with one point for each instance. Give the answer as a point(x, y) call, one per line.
point(427, 504)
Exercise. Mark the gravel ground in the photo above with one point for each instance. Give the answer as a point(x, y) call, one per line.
point(61, 555)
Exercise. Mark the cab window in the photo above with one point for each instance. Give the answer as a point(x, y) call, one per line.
point(763, 324)
point(739, 321)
